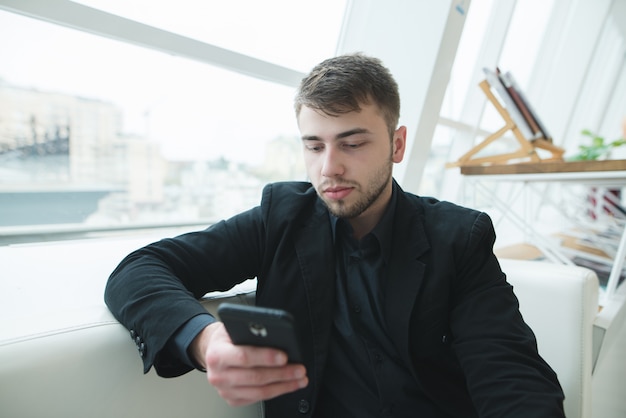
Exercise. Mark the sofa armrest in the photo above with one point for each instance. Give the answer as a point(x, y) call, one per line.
point(560, 304)
point(82, 363)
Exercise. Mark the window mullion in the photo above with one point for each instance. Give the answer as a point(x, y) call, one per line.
point(87, 19)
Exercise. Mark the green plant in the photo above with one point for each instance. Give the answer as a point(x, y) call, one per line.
point(599, 149)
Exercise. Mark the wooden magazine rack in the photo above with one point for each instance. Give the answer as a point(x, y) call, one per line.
point(527, 151)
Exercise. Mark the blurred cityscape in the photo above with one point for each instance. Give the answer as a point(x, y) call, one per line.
point(65, 160)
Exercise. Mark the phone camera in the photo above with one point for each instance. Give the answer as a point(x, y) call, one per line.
point(257, 329)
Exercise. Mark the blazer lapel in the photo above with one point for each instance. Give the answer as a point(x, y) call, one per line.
point(316, 257)
point(406, 272)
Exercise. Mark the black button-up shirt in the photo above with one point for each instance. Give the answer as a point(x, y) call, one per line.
point(365, 376)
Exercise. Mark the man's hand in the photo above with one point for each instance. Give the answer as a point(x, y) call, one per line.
point(244, 374)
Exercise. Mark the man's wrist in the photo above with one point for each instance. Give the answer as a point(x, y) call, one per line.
point(182, 340)
point(198, 347)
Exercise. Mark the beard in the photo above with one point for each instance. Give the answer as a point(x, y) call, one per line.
point(376, 184)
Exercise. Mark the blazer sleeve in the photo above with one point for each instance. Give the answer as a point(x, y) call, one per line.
point(155, 290)
point(496, 349)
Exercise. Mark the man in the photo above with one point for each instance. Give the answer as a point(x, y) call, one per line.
point(401, 307)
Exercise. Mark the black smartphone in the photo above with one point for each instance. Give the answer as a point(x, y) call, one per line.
point(262, 327)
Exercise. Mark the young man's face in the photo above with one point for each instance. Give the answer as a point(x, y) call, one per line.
point(349, 159)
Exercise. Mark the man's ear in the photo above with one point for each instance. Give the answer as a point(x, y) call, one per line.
point(399, 144)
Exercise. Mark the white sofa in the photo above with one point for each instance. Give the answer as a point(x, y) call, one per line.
point(63, 355)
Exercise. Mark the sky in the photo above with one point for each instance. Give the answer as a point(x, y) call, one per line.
point(194, 110)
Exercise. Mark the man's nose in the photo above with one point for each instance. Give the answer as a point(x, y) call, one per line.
point(332, 164)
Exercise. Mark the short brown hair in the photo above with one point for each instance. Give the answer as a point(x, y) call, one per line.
point(341, 84)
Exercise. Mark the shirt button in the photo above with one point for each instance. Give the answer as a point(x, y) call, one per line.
point(356, 308)
point(303, 406)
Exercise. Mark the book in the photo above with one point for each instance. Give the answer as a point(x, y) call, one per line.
point(495, 82)
point(524, 106)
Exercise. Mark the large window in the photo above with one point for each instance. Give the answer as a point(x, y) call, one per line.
point(505, 34)
point(100, 132)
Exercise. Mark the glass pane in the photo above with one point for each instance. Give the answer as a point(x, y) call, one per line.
point(465, 60)
point(295, 34)
point(524, 38)
point(101, 132)
point(521, 47)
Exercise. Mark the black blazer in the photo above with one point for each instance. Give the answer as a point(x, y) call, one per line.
point(449, 310)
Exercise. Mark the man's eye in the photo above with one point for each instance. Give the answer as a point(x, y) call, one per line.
point(314, 148)
point(352, 146)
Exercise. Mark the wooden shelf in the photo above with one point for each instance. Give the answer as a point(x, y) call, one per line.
point(545, 167)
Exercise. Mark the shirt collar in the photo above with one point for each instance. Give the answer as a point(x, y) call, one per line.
point(382, 230)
